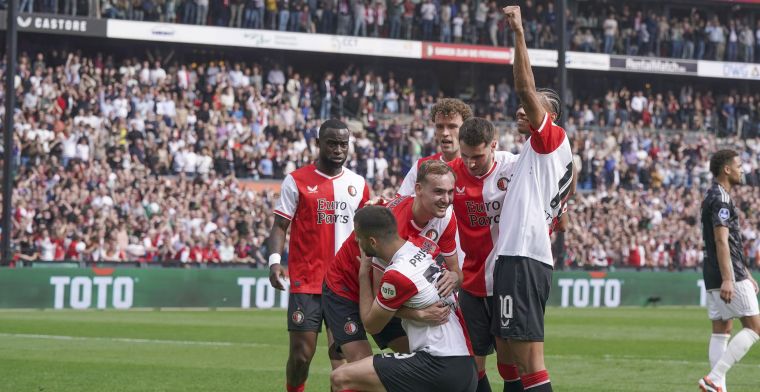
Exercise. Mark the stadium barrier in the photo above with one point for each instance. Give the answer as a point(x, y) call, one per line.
point(126, 288)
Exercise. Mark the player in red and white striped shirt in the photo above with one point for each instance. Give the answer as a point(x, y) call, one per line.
point(447, 114)
point(426, 218)
point(320, 201)
point(441, 356)
point(538, 190)
point(482, 179)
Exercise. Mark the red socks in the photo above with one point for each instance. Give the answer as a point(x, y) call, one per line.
point(299, 388)
point(508, 372)
point(535, 379)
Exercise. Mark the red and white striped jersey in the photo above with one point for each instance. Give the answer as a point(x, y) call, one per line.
point(537, 192)
point(321, 210)
point(407, 186)
point(477, 206)
point(409, 281)
point(342, 275)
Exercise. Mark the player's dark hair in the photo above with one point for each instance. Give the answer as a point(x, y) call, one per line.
point(375, 221)
point(332, 123)
point(476, 131)
point(552, 99)
point(720, 159)
point(431, 168)
point(450, 106)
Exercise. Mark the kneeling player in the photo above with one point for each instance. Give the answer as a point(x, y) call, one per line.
point(440, 358)
point(428, 215)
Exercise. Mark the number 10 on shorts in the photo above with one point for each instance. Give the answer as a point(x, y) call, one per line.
point(506, 309)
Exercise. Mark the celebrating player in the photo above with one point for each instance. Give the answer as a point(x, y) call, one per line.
point(320, 200)
point(440, 359)
point(447, 114)
point(731, 290)
point(534, 201)
point(482, 178)
point(427, 216)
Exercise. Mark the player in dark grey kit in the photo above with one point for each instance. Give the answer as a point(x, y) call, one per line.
point(731, 290)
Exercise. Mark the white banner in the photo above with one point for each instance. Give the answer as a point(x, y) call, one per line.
point(720, 69)
point(268, 39)
point(573, 60)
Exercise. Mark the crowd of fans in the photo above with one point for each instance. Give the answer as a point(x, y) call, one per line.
point(131, 161)
point(646, 29)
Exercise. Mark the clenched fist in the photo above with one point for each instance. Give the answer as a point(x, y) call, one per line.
point(513, 17)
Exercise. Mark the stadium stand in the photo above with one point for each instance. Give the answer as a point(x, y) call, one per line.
point(701, 30)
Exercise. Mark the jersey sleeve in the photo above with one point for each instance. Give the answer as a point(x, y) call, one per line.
point(449, 238)
point(365, 195)
point(407, 186)
point(395, 290)
point(286, 206)
point(548, 137)
point(720, 213)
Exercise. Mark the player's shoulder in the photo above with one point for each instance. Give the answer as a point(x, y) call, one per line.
point(303, 173)
point(717, 195)
point(505, 157)
point(352, 175)
point(408, 258)
point(436, 156)
point(399, 202)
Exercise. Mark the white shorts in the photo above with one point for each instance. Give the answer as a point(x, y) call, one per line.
point(743, 304)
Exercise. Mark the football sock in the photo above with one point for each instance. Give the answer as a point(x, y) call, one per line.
point(511, 376)
point(735, 351)
point(718, 344)
point(537, 382)
point(483, 384)
point(299, 388)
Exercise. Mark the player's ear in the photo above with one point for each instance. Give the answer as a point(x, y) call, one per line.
point(493, 145)
point(417, 188)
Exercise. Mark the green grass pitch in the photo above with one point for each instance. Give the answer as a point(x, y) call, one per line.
point(625, 349)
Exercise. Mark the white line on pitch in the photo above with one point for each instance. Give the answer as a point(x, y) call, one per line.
point(135, 340)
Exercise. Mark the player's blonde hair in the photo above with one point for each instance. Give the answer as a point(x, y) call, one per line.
point(450, 106)
point(433, 167)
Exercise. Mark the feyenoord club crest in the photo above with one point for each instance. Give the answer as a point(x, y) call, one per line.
point(352, 190)
point(297, 317)
point(432, 234)
point(502, 183)
point(350, 328)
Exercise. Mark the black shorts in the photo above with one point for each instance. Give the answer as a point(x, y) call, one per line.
point(520, 288)
point(343, 319)
point(420, 371)
point(305, 312)
point(477, 316)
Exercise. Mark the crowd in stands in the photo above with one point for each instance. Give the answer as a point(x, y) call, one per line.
point(645, 29)
point(134, 161)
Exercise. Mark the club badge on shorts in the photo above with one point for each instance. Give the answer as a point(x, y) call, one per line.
point(297, 317)
point(351, 328)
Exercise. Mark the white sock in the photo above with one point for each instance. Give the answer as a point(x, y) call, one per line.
point(737, 348)
point(718, 344)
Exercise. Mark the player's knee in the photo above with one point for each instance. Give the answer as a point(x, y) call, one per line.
point(301, 356)
point(339, 378)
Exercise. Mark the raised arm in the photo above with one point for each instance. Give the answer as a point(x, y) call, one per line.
point(525, 84)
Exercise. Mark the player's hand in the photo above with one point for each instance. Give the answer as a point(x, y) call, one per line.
point(378, 201)
point(727, 291)
point(277, 276)
point(447, 283)
point(365, 263)
point(513, 17)
point(437, 314)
